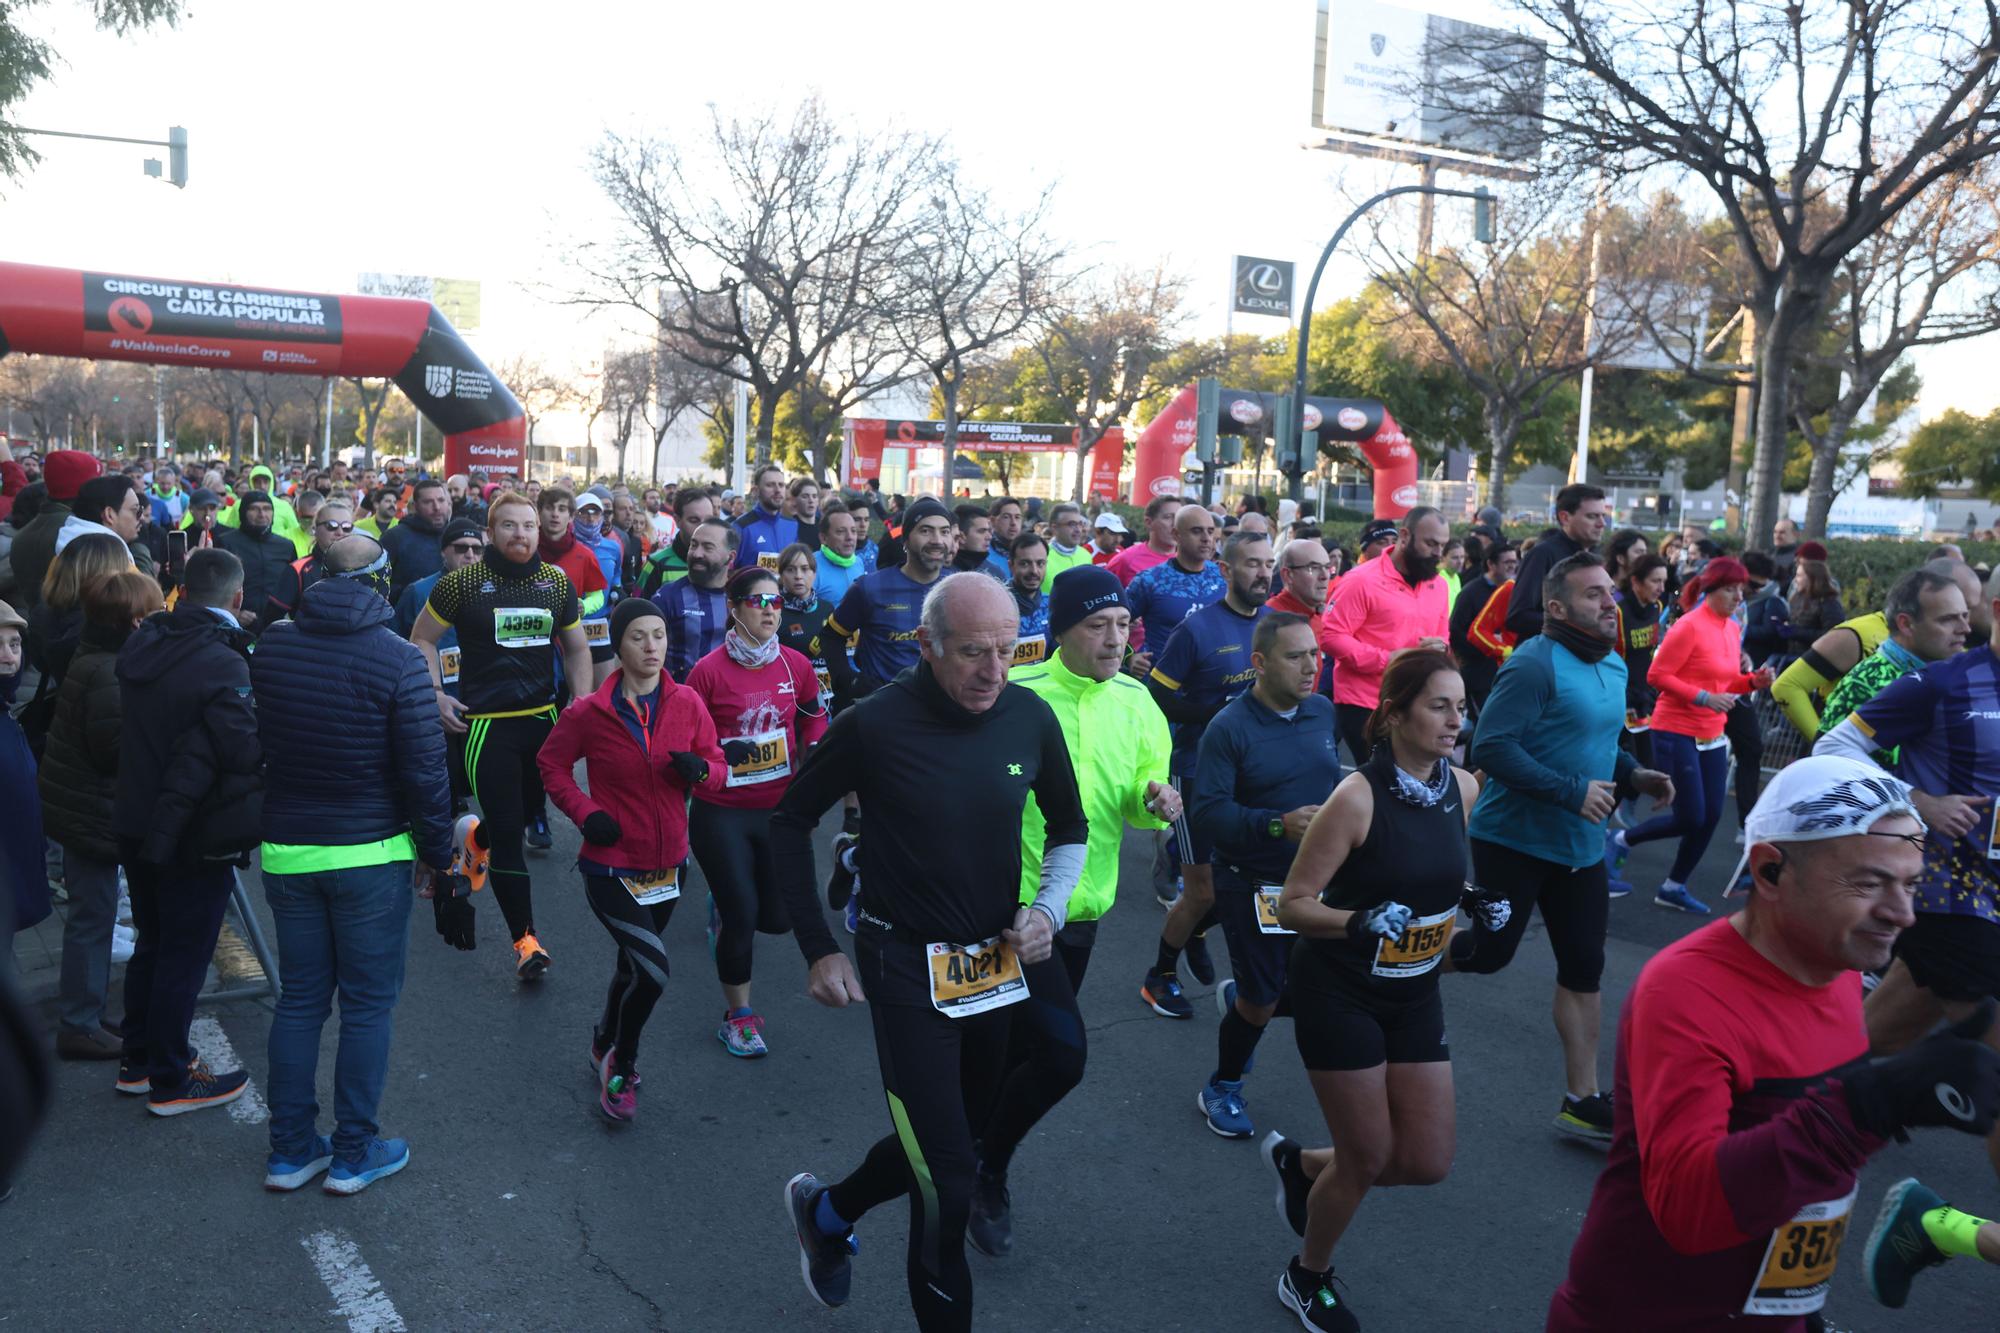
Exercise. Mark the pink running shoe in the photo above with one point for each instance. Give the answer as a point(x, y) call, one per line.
point(618, 1094)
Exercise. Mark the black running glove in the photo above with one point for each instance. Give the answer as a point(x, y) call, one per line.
point(1491, 908)
point(1950, 1080)
point(1386, 921)
point(451, 900)
point(600, 829)
point(692, 767)
point(736, 751)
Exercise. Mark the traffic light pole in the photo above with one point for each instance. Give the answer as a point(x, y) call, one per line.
point(1296, 425)
point(176, 144)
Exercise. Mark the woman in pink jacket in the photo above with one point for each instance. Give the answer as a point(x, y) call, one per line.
point(645, 742)
point(1699, 673)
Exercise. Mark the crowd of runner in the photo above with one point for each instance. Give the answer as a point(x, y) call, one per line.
point(1370, 769)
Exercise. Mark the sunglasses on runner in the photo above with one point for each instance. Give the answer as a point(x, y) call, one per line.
point(763, 601)
point(337, 527)
point(468, 548)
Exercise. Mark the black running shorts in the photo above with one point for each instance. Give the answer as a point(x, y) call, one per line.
point(1340, 1027)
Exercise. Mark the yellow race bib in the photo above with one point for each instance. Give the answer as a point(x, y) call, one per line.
point(1267, 910)
point(770, 760)
point(659, 887)
point(448, 665)
point(1799, 1262)
point(596, 631)
point(969, 979)
point(1419, 949)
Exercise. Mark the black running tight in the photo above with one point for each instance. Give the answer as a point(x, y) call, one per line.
point(641, 974)
point(734, 848)
point(500, 768)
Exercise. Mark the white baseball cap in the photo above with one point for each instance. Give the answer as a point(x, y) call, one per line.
point(1826, 796)
point(1107, 519)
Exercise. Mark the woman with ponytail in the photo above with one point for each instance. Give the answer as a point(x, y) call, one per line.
point(1698, 671)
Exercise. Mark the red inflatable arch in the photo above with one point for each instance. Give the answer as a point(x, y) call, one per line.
point(1156, 464)
point(231, 326)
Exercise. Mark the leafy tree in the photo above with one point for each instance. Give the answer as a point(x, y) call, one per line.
point(26, 60)
point(1954, 448)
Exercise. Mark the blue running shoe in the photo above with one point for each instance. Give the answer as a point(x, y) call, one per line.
point(382, 1157)
point(826, 1262)
point(1678, 898)
point(538, 833)
point(283, 1173)
point(1162, 993)
point(1898, 1247)
point(1615, 851)
point(1222, 1104)
point(1225, 998)
point(853, 918)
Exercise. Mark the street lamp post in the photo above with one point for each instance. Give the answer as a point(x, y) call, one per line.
point(1482, 230)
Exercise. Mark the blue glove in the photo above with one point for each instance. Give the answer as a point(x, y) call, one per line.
point(1385, 921)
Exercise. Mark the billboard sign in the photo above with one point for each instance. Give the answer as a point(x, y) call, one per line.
point(1395, 73)
point(1262, 287)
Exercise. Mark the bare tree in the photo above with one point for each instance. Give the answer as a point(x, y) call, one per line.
point(540, 389)
point(1098, 355)
point(764, 251)
point(1891, 296)
point(971, 279)
point(227, 393)
point(870, 360)
point(679, 384)
point(1814, 127)
point(1509, 317)
point(624, 388)
point(373, 396)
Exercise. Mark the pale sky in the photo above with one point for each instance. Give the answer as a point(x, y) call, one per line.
point(451, 139)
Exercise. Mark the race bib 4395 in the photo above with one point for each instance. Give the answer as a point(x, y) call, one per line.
point(523, 626)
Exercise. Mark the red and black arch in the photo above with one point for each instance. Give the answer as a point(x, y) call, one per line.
point(235, 326)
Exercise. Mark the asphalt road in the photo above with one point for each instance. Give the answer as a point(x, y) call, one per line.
point(523, 1208)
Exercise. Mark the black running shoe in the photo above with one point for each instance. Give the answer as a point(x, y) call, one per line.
point(1199, 965)
point(991, 1226)
point(1311, 1296)
point(826, 1262)
point(1586, 1118)
point(1293, 1183)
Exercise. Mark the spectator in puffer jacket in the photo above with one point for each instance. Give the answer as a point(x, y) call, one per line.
point(186, 811)
point(347, 810)
point(79, 780)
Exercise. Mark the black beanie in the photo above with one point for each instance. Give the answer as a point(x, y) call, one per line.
point(1081, 592)
point(627, 611)
point(458, 530)
point(924, 507)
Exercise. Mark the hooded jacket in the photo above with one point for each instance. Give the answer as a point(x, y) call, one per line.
point(189, 764)
point(381, 773)
point(35, 549)
point(413, 552)
point(79, 776)
point(637, 786)
point(269, 581)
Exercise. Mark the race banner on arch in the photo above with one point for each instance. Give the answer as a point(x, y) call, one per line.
point(233, 326)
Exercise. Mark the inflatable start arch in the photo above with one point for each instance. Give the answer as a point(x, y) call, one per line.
point(1156, 464)
point(230, 326)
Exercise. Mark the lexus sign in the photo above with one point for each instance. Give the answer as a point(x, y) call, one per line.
point(1263, 287)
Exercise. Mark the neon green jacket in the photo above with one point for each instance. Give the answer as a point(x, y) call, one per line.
point(1118, 742)
point(284, 519)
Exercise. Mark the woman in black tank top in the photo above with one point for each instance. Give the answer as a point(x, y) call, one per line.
point(1373, 893)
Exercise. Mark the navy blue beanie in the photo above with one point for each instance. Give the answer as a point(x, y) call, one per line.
point(1081, 592)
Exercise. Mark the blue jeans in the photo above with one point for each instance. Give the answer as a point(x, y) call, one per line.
point(1701, 778)
point(344, 929)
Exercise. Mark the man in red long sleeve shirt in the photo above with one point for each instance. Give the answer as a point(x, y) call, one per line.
point(1745, 1104)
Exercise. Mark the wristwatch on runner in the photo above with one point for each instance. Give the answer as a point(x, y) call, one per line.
point(1276, 828)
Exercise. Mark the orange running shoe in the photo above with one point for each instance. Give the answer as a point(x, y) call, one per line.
point(531, 960)
point(469, 856)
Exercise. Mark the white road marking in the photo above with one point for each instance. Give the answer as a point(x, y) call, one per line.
point(212, 1045)
point(357, 1296)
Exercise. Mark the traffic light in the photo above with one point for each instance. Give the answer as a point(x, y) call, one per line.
point(1285, 434)
point(1207, 396)
point(1482, 215)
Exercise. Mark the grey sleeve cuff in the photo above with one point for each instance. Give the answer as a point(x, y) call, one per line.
point(1062, 867)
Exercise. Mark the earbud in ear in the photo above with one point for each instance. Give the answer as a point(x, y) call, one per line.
point(1768, 872)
